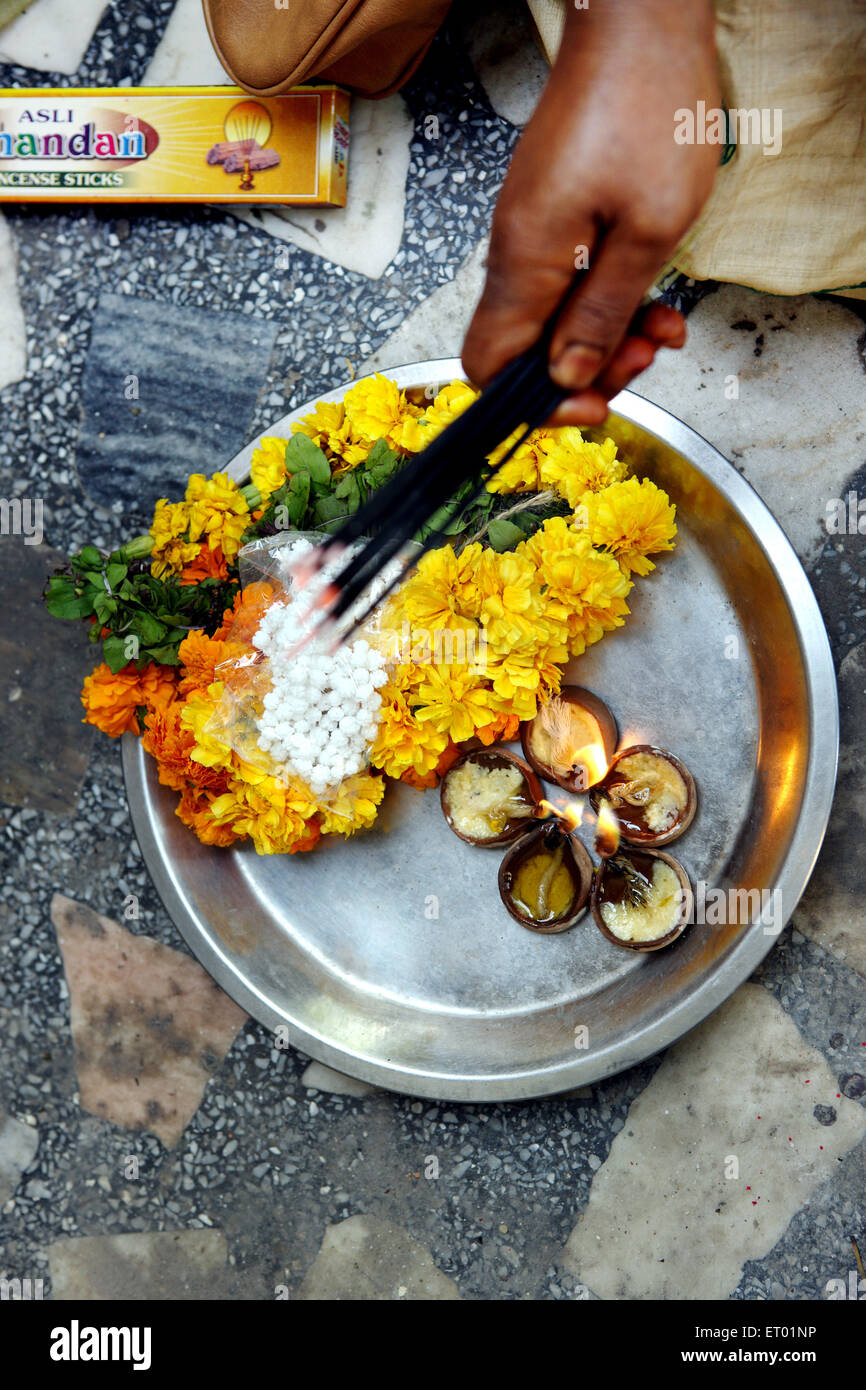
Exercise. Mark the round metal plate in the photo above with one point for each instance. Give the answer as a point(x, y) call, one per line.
point(391, 957)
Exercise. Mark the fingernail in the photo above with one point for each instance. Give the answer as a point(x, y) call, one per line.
point(576, 366)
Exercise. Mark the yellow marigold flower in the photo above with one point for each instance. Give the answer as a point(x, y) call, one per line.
point(172, 548)
point(522, 473)
point(355, 805)
point(278, 818)
point(196, 714)
point(268, 465)
point(377, 409)
point(455, 702)
point(571, 465)
point(584, 588)
point(631, 520)
point(443, 591)
point(329, 428)
point(402, 743)
point(218, 510)
point(512, 603)
point(450, 402)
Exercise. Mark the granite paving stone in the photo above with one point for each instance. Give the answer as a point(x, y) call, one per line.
point(43, 663)
point(150, 1026)
point(166, 391)
point(136, 1267)
point(715, 1158)
point(365, 1258)
point(18, 1145)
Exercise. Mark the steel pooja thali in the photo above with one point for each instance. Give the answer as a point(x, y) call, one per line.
point(390, 956)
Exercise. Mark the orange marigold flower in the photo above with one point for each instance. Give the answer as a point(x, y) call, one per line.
point(502, 729)
point(194, 809)
point(229, 616)
point(208, 564)
point(167, 739)
point(199, 657)
point(158, 686)
point(112, 699)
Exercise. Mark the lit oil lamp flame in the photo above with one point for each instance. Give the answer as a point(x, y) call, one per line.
point(569, 814)
point(607, 831)
point(591, 762)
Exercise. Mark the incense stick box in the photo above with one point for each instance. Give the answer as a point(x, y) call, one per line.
point(173, 145)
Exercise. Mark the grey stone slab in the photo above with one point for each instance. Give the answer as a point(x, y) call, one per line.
point(167, 391)
point(18, 1145)
point(368, 1259)
point(43, 662)
point(159, 1264)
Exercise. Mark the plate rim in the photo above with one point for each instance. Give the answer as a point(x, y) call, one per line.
point(742, 959)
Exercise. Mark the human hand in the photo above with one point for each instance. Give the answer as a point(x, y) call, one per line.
point(598, 180)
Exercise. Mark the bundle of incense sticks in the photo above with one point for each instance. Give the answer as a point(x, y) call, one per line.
point(521, 397)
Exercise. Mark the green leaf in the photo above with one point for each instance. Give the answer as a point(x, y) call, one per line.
point(302, 453)
point(329, 509)
point(349, 491)
point(114, 653)
point(105, 607)
point(69, 605)
point(115, 574)
point(299, 496)
point(165, 656)
point(502, 535)
point(149, 630)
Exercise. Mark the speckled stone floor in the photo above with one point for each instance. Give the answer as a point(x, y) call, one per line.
point(197, 1159)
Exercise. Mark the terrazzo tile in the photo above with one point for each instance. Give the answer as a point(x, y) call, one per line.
point(368, 1259)
point(52, 35)
point(318, 1077)
point(150, 1027)
point(507, 58)
point(167, 391)
point(160, 1264)
point(717, 1155)
point(185, 56)
point(18, 1145)
point(833, 908)
point(438, 326)
point(13, 342)
point(365, 235)
point(43, 663)
point(777, 385)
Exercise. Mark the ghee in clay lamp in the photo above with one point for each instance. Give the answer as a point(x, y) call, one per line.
point(545, 878)
point(652, 793)
point(490, 797)
point(571, 740)
point(641, 899)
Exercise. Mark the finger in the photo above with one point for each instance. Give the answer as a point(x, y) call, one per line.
point(527, 279)
point(630, 359)
point(596, 317)
point(585, 408)
point(662, 324)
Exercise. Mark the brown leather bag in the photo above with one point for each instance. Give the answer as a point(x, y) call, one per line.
point(371, 46)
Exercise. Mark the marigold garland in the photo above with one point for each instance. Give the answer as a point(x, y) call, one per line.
point(508, 621)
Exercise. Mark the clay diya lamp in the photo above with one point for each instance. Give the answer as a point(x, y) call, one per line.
point(652, 793)
point(489, 797)
point(571, 740)
point(641, 899)
point(545, 879)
